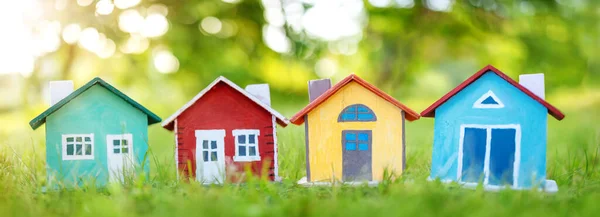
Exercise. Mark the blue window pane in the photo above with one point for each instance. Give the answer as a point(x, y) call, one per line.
point(213, 156)
point(351, 109)
point(116, 150)
point(242, 139)
point(350, 146)
point(79, 149)
point(348, 116)
point(252, 151)
point(365, 117)
point(363, 147)
point(489, 101)
point(116, 142)
point(350, 136)
point(205, 155)
point(205, 144)
point(242, 150)
point(362, 108)
point(88, 139)
point(88, 149)
point(363, 136)
point(251, 139)
point(213, 144)
point(70, 149)
point(70, 139)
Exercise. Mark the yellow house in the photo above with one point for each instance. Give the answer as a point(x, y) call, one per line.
point(354, 131)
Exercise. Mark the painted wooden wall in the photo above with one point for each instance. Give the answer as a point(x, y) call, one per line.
point(325, 134)
point(518, 109)
point(225, 108)
point(100, 112)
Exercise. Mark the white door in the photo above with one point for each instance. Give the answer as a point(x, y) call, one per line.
point(210, 156)
point(119, 156)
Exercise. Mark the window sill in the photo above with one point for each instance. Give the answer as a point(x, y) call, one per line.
point(246, 159)
point(78, 158)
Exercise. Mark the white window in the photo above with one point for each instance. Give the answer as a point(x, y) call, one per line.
point(246, 145)
point(78, 146)
point(487, 101)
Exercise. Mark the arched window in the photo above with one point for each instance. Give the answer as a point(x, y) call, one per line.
point(358, 113)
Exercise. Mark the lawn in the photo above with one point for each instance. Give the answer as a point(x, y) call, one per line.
point(572, 162)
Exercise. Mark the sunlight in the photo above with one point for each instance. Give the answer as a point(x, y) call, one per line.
point(164, 61)
point(18, 51)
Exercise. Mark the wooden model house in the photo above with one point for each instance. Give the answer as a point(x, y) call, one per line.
point(492, 130)
point(225, 130)
point(354, 131)
point(95, 133)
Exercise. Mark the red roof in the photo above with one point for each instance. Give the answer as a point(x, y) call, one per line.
point(430, 112)
point(299, 117)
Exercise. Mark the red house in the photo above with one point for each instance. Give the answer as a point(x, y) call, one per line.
point(225, 130)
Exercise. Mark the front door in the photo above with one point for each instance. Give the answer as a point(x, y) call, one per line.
point(356, 149)
point(210, 156)
point(490, 154)
point(119, 156)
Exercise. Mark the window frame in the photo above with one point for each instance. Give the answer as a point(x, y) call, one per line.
point(357, 141)
point(478, 104)
point(66, 157)
point(246, 133)
point(357, 113)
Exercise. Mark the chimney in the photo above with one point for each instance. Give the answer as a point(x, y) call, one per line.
point(59, 90)
point(534, 83)
point(317, 87)
point(260, 91)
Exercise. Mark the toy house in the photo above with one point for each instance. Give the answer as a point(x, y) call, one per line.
point(95, 133)
point(225, 130)
point(354, 132)
point(492, 130)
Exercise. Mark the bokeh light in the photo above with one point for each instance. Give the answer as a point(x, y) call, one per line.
point(104, 7)
point(164, 61)
point(71, 33)
point(211, 25)
point(155, 25)
point(124, 4)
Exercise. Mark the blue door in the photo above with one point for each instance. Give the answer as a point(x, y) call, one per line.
point(356, 158)
point(474, 148)
point(502, 156)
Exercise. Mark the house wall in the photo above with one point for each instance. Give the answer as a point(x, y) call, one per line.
point(225, 108)
point(100, 112)
point(325, 134)
point(519, 108)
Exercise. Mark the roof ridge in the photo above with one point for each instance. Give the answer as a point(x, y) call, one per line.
point(41, 118)
point(430, 111)
point(297, 118)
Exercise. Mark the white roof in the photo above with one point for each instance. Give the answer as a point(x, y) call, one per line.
point(234, 86)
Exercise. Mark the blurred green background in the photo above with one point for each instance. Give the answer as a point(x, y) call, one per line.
point(163, 52)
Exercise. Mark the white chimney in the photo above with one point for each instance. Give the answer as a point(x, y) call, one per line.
point(534, 83)
point(260, 91)
point(59, 90)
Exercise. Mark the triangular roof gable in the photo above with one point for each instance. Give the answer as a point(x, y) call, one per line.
point(281, 120)
point(430, 112)
point(298, 118)
point(41, 119)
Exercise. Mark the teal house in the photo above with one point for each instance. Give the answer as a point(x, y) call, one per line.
point(94, 135)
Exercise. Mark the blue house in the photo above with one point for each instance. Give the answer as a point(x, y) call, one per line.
point(492, 130)
point(95, 134)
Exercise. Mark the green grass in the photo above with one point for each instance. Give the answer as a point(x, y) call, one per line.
point(572, 161)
